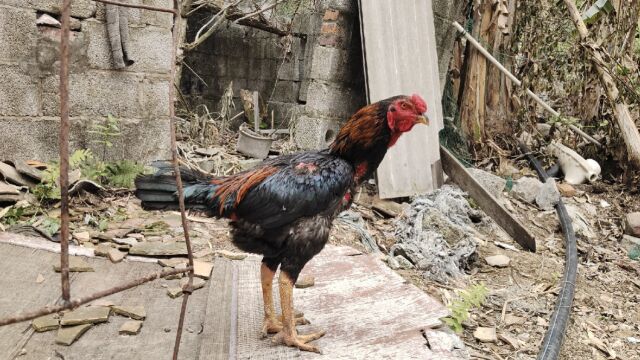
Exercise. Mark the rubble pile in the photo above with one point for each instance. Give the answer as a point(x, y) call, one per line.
point(437, 235)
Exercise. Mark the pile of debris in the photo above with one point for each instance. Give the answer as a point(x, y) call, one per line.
point(17, 178)
point(437, 235)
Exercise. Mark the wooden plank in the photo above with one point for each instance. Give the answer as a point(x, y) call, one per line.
point(400, 57)
point(486, 201)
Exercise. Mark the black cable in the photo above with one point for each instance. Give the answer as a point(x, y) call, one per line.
point(552, 343)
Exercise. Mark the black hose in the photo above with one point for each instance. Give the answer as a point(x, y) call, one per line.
point(552, 343)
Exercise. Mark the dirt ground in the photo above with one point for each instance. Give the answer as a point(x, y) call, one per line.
point(605, 319)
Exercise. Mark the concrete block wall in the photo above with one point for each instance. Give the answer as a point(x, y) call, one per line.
point(252, 59)
point(29, 97)
point(317, 84)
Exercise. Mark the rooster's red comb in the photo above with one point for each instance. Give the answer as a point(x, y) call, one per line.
point(419, 103)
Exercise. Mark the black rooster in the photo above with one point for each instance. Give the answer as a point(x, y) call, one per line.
point(284, 207)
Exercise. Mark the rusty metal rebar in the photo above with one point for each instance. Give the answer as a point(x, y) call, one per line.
point(145, 7)
point(188, 289)
point(30, 315)
point(64, 152)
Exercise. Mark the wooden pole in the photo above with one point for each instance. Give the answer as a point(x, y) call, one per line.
point(628, 129)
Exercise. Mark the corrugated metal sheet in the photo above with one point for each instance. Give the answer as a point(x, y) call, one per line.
point(400, 58)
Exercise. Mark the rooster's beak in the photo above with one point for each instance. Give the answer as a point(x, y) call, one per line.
point(422, 119)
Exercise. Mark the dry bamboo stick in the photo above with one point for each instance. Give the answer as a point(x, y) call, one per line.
point(628, 129)
point(518, 82)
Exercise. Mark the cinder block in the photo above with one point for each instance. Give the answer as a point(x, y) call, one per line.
point(289, 69)
point(315, 132)
point(154, 100)
point(150, 47)
point(37, 139)
point(329, 64)
point(100, 93)
point(18, 35)
point(18, 92)
point(332, 100)
point(79, 8)
point(286, 91)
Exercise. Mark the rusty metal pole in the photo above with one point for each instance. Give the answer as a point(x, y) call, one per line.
point(188, 289)
point(30, 315)
point(64, 152)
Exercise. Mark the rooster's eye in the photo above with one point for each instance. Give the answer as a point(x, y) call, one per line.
point(404, 106)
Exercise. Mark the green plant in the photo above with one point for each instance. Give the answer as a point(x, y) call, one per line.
point(122, 173)
point(472, 297)
point(50, 225)
point(49, 188)
point(106, 133)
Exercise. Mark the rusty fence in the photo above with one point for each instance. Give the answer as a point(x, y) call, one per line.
point(67, 302)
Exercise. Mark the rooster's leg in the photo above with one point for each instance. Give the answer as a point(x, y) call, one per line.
point(271, 324)
point(289, 335)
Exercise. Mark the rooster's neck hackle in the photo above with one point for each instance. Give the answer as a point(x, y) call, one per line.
point(364, 139)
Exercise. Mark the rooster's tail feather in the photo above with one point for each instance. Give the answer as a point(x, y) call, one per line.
point(160, 192)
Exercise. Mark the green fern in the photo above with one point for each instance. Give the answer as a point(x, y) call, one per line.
point(123, 173)
point(473, 297)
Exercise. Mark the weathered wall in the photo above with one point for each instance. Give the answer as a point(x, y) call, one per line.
point(317, 84)
point(29, 97)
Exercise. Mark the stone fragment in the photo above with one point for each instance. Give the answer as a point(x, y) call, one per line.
point(102, 302)
point(197, 283)
point(202, 269)
point(498, 260)
point(632, 224)
point(40, 279)
point(174, 292)
point(172, 262)
point(548, 196)
point(305, 281)
point(86, 315)
point(129, 241)
point(28, 170)
point(67, 335)
point(510, 319)
point(131, 327)
point(484, 334)
point(158, 249)
point(136, 236)
point(82, 236)
point(207, 151)
point(46, 323)
point(116, 255)
point(526, 189)
point(566, 190)
point(494, 184)
point(102, 250)
point(231, 255)
point(136, 312)
point(76, 264)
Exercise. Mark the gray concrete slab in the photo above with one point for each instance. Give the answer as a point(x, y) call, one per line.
point(20, 267)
